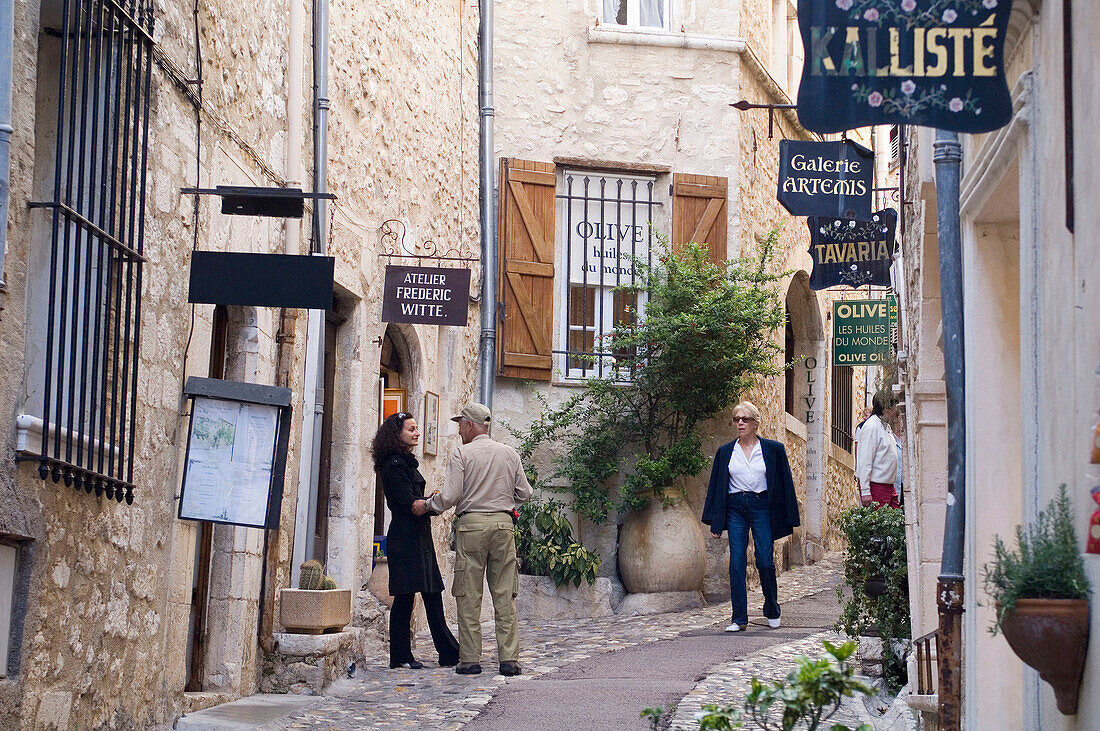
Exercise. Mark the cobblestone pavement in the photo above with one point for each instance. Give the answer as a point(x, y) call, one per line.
point(437, 698)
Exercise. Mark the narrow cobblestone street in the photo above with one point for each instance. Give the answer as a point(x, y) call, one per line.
point(587, 674)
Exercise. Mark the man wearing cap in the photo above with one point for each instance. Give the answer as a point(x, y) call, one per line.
point(485, 483)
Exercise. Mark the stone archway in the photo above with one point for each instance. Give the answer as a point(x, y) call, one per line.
point(805, 398)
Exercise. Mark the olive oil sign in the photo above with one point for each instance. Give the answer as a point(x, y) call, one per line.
point(861, 332)
point(936, 63)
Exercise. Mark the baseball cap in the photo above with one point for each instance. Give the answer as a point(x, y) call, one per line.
point(476, 413)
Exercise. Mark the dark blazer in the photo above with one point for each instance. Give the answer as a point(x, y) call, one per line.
point(782, 501)
point(410, 551)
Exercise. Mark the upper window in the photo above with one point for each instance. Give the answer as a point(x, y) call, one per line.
point(606, 232)
point(637, 13)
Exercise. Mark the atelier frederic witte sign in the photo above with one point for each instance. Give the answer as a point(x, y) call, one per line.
point(936, 63)
point(825, 179)
point(426, 295)
point(861, 332)
point(855, 253)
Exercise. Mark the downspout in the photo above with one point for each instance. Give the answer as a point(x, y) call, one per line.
point(309, 474)
point(487, 350)
point(288, 317)
point(7, 28)
point(947, 157)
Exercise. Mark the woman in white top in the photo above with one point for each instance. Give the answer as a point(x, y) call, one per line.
point(751, 489)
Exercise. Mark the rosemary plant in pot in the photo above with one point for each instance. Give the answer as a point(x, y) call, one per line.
point(1041, 594)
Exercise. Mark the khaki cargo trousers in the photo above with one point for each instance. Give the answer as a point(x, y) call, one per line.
point(485, 546)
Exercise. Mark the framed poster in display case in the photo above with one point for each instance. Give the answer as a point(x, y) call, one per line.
point(430, 427)
point(393, 401)
point(236, 453)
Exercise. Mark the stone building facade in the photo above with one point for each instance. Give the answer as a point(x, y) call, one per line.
point(1032, 348)
point(110, 625)
point(634, 96)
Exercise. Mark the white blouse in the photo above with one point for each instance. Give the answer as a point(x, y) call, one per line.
point(747, 474)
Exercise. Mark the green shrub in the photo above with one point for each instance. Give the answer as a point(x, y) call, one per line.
point(809, 695)
point(1046, 563)
point(876, 548)
point(545, 545)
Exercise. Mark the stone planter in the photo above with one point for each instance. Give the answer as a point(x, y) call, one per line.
point(662, 550)
point(314, 611)
point(1051, 635)
point(539, 599)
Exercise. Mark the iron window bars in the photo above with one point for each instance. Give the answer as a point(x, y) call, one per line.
point(598, 209)
point(842, 407)
point(93, 324)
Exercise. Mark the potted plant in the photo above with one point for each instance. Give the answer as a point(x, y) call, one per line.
point(1041, 595)
point(317, 606)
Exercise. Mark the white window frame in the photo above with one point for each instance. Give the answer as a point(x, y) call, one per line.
point(633, 15)
point(605, 286)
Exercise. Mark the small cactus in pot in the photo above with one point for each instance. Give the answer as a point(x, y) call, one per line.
point(312, 573)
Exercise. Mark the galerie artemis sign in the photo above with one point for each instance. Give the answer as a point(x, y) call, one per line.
point(937, 63)
point(825, 179)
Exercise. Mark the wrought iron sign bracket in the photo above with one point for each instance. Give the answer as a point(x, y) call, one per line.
point(392, 245)
point(251, 201)
point(745, 105)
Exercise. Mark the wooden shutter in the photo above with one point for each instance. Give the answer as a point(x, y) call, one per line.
point(526, 273)
point(699, 207)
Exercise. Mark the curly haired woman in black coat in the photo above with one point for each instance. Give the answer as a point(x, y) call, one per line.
point(409, 547)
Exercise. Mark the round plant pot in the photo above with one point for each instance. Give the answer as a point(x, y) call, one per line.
point(1051, 635)
point(874, 586)
point(662, 549)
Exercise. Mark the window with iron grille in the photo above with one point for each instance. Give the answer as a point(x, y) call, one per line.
point(606, 224)
point(842, 407)
point(98, 58)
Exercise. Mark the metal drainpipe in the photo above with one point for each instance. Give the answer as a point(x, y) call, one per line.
point(315, 338)
point(487, 350)
point(7, 28)
point(947, 156)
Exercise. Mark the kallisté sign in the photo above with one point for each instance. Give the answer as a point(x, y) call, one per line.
point(825, 179)
point(855, 253)
point(426, 295)
point(936, 63)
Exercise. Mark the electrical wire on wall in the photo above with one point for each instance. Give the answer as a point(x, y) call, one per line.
point(197, 83)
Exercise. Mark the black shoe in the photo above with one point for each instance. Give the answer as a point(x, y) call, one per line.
point(510, 668)
point(410, 665)
point(468, 668)
point(448, 662)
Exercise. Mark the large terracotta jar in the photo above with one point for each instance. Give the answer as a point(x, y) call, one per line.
point(662, 549)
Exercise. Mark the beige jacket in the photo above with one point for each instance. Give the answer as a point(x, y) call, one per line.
point(483, 476)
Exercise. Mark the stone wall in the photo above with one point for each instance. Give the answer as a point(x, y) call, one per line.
point(640, 103)
point(108, 594)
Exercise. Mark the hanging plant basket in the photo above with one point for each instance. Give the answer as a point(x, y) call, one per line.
point(1051, 635)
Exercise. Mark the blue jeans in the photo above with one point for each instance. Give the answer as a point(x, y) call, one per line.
point(750, 510)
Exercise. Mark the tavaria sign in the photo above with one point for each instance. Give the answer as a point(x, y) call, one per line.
point(937, 63)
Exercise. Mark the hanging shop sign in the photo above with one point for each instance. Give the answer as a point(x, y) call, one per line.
point(936, 63)
point(236, 453)
point(861, 332)
point(826, 179)
point(853, 253)
point(426, 295)
point(261, 280)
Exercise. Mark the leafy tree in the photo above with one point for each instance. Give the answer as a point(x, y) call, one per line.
point(705, 335)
